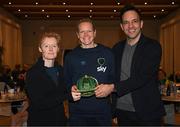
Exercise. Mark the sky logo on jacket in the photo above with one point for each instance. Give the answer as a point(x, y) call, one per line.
point(101, 62)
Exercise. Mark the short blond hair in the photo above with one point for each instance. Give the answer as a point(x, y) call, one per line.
point(85, 20)
point(49, 35)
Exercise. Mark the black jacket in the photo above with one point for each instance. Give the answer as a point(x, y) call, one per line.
point(45, 97)
point(143, 77)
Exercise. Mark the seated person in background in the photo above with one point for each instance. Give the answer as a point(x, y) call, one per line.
point(177, 77)
point(162, 76)
point(171, 77)
point(22, 75)
point(21, 117)
point(6, 75)
point(15, 72)
point(15, 78)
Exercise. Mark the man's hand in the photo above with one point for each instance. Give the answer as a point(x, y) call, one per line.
point(103, 90)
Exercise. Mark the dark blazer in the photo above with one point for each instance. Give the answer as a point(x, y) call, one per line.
point(143, 78)
point(45, 96)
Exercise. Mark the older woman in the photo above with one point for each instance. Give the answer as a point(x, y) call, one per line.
point(45, 86)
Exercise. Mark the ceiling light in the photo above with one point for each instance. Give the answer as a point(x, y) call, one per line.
point(173, 3)
point(90, 10)
point(64, 3)
point(90, 16)
point(92, 3)
point(42, 10)
point(154, 16)
point(19, 9)
point(26, 16)
point(114, 10)
point(10, 3)
point(118, 3)
point(36, 3)
point(67, 10)
point(69, 16)
point(145, 3)
point(47, 16)
point(162, 10)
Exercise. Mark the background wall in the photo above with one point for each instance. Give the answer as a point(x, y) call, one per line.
point(10, 39)
point(108, 33)
point(170, 29)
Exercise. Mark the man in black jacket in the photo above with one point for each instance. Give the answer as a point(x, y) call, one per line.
point(137, 59)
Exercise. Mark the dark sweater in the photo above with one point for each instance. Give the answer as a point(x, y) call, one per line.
point(90, 62)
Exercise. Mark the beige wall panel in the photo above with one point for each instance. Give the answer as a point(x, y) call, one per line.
point(177, 46)
point(170, 29)
point(162, 34)
point(151, 29)
point(108, 36)
point(68, 36)
point(11, 42)
point(28, 53)
point(0, 33)
point(7, 32)
point(168, 50)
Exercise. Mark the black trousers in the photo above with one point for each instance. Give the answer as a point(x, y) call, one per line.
point(86, 120)
point(127, 118)
point(53, 116)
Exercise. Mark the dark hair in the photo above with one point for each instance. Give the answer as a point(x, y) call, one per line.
point(85, 20)
point(129, 7)
point(164, 73)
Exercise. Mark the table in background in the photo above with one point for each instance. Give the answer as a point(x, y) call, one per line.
point(6, 100)
point(171, 98)
point(169, 104)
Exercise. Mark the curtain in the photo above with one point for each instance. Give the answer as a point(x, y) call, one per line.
point(0, 33)
point(177, 46)
point(167, 47)
point(170, 45)
point(11, 42)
